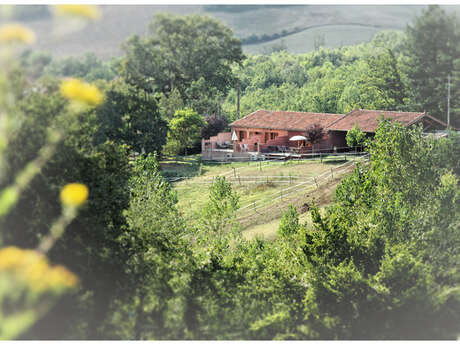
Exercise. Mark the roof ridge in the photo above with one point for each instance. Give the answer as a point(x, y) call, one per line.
point(393, 111)
point(344, 116)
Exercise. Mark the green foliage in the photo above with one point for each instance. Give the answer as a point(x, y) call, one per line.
point(326, 80)
point(129, 116)
point(34, 63)
point(200, 70)
point(185, 128)
point(157, 255)
point(355, 136)
point(432, 48)
point(219, 213)
point(382, 85)
point(168, 105)
point(289, 224)
point(373, 270)
point(87, 67)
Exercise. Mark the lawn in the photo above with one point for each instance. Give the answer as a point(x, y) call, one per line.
point(255, 182)
point(268, 230)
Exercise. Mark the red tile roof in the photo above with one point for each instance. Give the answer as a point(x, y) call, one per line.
point(286, 120)
point(367, 120)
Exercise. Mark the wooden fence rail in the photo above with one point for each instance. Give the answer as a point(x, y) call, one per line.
point(269, 204)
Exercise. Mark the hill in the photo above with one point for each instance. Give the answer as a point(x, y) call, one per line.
point(293, 26)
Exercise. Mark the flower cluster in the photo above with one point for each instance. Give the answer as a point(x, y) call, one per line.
point(81, 92)
point(74, 194)
point(15, 33)
point(80, 11)
point(32, 268)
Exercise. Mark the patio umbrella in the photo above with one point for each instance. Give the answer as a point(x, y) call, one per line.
point(234, 137)
point(298, 138)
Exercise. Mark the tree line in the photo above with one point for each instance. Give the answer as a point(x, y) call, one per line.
point(196, 63)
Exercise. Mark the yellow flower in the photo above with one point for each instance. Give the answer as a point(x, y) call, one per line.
point(76, 90)
point(15, 33)
point(60, 276)
point(32, 268)
point(82, 11)
point(74, 194)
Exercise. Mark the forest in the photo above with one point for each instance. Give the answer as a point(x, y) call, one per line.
point(93, 245)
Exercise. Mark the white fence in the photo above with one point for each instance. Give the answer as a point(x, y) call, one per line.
point(251, 211)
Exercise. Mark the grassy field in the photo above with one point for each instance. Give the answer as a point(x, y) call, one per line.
point(268, 230)
point(104, 37)
point(258, 182)
point(193, 193)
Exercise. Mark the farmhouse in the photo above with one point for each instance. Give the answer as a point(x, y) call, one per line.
point(266, 131)
point(368, 121)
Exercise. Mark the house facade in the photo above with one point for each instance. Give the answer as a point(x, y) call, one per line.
point(265, 130)
point(270, 131)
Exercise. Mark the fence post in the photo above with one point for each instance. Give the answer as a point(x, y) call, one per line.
point(332, 174)
point(321, 156)
point(239, 180)
point(234, 172)
point(260, 166)
point(316, 182)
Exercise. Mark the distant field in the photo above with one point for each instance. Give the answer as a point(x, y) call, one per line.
point(118, 22)
point(334, 36)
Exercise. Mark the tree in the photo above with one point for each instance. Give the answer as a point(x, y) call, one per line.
point(185, 128)
point(158, 255)
point(289, 223)
point(355, 136)
point(221, 208)
point(169, 104)
point(315, 133)
point(207, 50)
point(34, 63)
point(129, 116)
point(433, 44)
point(384, 81)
